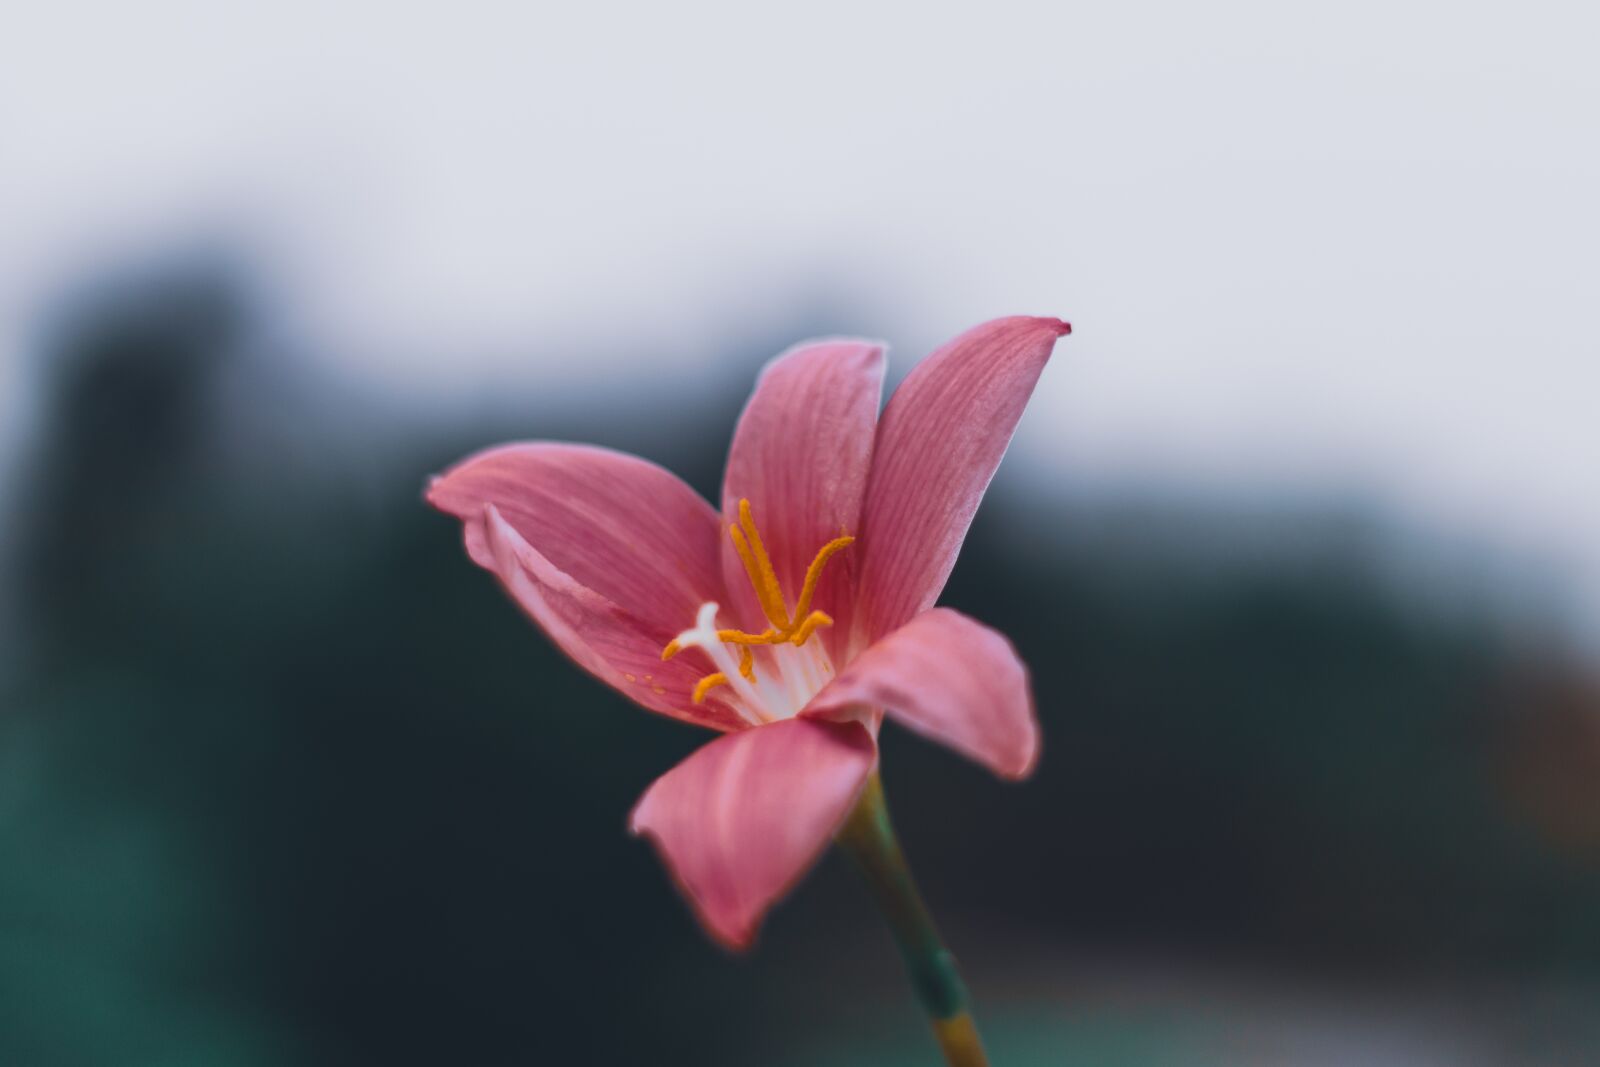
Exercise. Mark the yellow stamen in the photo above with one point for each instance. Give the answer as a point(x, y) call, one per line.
point(753, 554)
point(803, 632)
point(739, 637)
point(708, 683)
point(793, 628)
point(802, 607)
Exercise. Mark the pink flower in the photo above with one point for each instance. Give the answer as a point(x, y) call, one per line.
point(795, 620)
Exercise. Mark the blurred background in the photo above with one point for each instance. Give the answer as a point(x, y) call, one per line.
point(1300, 534)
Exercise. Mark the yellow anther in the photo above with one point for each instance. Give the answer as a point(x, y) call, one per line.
point(753, 554)
point(672, 649)
point(802, 607)
point(747, 663)
point(708, 683)
point(803, 632)
point(739, 637)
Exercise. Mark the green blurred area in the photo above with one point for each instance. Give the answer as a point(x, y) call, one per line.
point(285, 780)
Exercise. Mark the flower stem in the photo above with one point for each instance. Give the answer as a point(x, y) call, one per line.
point(868, 837)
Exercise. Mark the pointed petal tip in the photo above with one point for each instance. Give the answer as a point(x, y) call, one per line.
point(743, 818)
point(1022, 768)
point(1028, 323)
point(1060, 327)
point(1024, 756)
point(728, 934)
point(738, 942)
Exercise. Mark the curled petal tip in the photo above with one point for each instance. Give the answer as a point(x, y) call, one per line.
point(1061, 327)
point(1030, 323)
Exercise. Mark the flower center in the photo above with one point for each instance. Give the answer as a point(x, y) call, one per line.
point(792, 670)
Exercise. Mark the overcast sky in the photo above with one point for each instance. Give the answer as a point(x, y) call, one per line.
point(1355, 250)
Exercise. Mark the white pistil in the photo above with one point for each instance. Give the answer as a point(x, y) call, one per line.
point(786, 676)
point(704, 637)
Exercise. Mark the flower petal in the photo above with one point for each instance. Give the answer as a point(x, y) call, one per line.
point(939, 441)
point(601, 637)
point(610, 554)
point(745, 816)
point(950, 678)
point(620, 525)
point(800, 455)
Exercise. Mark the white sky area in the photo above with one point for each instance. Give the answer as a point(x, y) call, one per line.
point(1353, 250)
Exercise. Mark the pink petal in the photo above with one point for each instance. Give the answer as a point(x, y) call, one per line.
point(618, 524)
point(800, 455)
point(741, 820)
point(610, 554)
point(601, 637)
point(950, 678)
point(939, 441)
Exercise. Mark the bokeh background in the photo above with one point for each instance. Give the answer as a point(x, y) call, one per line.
point(1300, 535)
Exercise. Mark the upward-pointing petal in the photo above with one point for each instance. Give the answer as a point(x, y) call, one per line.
point(938, 444)
point(800, 456)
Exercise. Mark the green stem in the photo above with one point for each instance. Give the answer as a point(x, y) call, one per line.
point(868, 837)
